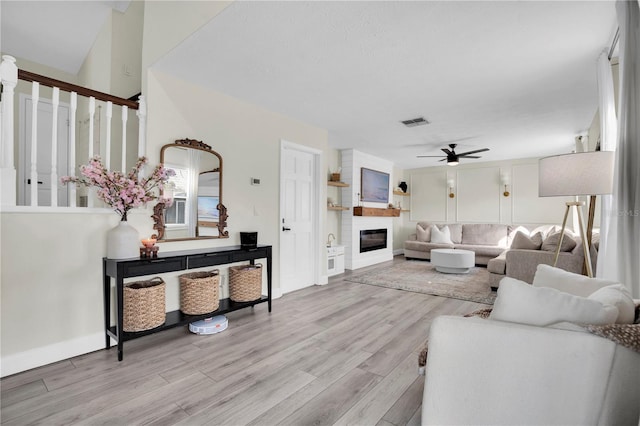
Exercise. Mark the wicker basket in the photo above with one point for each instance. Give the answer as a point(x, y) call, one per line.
point(245, 282)
point(199, 292)
point(144, 305)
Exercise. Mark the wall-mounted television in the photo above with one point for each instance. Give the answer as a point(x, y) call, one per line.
point(374, 186)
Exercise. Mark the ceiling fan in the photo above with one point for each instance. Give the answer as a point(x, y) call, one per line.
point(452, 158)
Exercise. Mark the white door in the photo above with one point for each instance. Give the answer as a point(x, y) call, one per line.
point(45, 121)
point(297, 258)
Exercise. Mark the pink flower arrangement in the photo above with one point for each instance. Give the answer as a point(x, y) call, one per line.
point(119, 191)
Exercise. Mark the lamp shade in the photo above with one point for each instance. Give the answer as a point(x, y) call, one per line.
point(584, 173)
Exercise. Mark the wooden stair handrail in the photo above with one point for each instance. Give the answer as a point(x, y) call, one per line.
point(52, 82)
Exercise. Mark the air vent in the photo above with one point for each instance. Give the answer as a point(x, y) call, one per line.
point(420, 121)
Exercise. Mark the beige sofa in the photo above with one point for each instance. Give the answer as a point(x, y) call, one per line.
point(486, 240)
point(521, 264)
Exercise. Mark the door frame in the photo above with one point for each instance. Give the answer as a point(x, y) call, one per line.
point(316, 203)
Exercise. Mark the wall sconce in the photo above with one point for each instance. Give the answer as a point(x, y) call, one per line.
point(451, 183)
point(505, 179)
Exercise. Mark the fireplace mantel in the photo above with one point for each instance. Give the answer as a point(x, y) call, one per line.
point(372, 211)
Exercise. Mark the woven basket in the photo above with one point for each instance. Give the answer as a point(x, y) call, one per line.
point(144, 305)
point(245, 282)
point(199, 292)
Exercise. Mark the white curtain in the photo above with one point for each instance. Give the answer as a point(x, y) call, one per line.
point(626, 193)
point(607, 267)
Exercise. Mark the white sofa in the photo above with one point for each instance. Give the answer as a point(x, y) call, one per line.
point(503, 371)
point(499, 373)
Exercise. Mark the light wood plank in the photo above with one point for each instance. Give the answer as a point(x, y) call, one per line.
point(373, 406)
point(405, 407)
point(332, 403)
point(343, 352)
point(23, 392)
point(288, 406)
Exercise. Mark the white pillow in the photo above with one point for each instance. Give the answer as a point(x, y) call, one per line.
point(520, 302)
point(441, 236)
point(578, 285)
point(620, 297)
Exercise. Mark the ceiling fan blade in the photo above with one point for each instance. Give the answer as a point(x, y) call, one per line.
point(473, 152)
point(426, 156)
point(468, 156)
point(444, 159)
point(447, 151)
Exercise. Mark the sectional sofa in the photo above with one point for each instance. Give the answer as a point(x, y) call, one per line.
point(486, 240)
point(492, 246)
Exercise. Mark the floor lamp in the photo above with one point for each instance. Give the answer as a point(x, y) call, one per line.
point(584, 173)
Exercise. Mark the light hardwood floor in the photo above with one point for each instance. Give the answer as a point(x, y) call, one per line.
point(343, 353)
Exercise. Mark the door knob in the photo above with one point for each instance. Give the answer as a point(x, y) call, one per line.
point(29, 182)
point(284, 228)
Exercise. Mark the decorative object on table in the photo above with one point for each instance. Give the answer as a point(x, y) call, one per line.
point(122, 192)
point(245, 282)
point(335, 176)
point(403, 186)
point(584, 173)
point(209, 325)
point(199, 292)
point(149, 248)
point(144, 305)
point(248, 240)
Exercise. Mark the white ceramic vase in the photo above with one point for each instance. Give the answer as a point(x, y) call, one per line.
point(123, 242)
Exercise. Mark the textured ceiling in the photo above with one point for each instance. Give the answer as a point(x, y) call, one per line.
point(58, 34)
point(516, 77)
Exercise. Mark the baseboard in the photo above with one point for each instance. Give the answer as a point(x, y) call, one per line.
point(38, 357)
point(398, 252)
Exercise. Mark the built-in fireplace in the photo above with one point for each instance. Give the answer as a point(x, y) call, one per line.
point(373, 239)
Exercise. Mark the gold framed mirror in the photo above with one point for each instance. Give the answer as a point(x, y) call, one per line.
point(197, 211)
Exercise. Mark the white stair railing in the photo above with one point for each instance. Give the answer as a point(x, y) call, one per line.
point(9, 76)
point(9, 80)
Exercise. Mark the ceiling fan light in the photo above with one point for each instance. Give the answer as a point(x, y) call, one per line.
point(452, 163)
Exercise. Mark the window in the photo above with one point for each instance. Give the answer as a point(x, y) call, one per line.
point(178, 185)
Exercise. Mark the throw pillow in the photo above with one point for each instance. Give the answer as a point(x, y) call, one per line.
point(579, 285)
point(551, 242)
point(522, 241)
point(422, 234)
point(546, 230)
point(520, 302)
point(441, 236)
point(513, 232)
point(618, 296)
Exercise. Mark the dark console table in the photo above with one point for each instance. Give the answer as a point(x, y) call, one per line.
point(170, 262)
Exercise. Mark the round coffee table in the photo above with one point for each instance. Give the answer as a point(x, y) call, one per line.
point(452, 261)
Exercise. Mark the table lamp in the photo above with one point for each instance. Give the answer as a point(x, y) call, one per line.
point(584, 173)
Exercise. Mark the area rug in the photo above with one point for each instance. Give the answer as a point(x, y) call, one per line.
point(421, 277)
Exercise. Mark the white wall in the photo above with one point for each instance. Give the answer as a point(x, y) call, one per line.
point(51, 274)
point(352, 162)
point(248, 139)
point(58, 255)
point(478, 196)
point(168, 23)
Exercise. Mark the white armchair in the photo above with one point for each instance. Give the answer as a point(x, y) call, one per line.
point(491, 372)
point(499, 373)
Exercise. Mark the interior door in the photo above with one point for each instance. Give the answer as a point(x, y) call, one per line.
point(296, 242)
point(45, 121)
